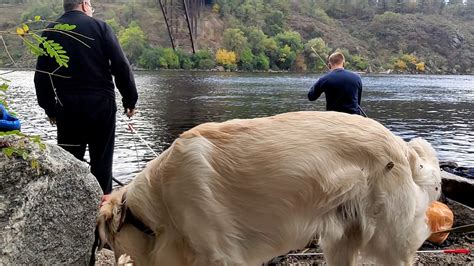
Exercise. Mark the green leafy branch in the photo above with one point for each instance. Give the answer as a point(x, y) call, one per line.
point(19, 148)
point(38, 46)
point(41, 46)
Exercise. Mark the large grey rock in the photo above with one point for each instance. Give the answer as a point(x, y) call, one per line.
point(47, 214)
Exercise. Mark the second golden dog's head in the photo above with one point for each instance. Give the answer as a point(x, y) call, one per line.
point(424, 166)
point(116, 230)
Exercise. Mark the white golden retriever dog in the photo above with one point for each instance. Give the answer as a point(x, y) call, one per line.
point(244, 191)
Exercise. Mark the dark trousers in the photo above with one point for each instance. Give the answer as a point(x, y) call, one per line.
point(89, 120)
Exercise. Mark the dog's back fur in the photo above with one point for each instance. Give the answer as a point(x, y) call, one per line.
point(244, 191)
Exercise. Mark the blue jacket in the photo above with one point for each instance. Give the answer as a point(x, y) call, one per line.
point(343, 90)
point(8, 122)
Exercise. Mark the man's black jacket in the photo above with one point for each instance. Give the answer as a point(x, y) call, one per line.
point(91, 65)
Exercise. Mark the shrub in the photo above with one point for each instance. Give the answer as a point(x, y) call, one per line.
point(203, 59)
point(262, 62)
point(246, 61)
point(227, 59)
point(150, 59)
point(133, 42)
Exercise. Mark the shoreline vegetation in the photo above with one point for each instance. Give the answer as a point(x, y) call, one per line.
point(216, 70)
point(403, 37)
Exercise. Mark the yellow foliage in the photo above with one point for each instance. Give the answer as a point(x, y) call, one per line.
point(408, 58)
point(420, 67)
point(400, 65)
point(20, 31)
point(225, 58)
point(216, 8)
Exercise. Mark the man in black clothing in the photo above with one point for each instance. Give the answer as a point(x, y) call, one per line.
point(83, 104)
point(343, 88)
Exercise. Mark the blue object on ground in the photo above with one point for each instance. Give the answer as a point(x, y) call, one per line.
point(8, 122)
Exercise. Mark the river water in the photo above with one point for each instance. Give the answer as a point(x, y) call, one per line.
point(438, 108)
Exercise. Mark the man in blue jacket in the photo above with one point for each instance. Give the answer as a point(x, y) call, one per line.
point(83, 104)
point(343, 88)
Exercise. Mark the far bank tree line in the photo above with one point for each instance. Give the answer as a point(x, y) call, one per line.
point(261, 35)
point(249, 49)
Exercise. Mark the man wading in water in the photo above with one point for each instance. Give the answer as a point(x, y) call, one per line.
point(83, 105)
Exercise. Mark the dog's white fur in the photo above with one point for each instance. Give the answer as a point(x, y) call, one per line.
point(244, 191)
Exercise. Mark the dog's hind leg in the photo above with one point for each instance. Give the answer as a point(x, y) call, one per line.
point(341, 250)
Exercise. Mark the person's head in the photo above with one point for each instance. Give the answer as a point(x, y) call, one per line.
point(81, 5)
point(336, 60)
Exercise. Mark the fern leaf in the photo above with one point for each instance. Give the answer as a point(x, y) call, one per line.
point(36, 50)
point(65, 27)
point(56, 50)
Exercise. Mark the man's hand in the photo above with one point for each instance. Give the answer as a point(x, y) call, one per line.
point(130, 112)
point(52, 120)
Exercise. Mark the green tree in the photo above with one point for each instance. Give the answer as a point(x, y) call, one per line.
point(274, 23)
point(49, 10)
point(114, 25)
point(170, 59)
point(203, 59)
point(271, 51)
point(234, 40)
point(256, 40)
point(317, 52)
point(359, 63)
point(150, 59)
point(261, 62)
point(286, 57)
point(247, 59)
point(249, 12)
point(185, 59)
point(290, 38)
point(289, 45)
point(133, 42)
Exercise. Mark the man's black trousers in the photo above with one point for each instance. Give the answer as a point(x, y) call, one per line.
point(89, 120)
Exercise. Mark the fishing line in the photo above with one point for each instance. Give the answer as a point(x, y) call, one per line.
point(134, 131)
point(445, 251)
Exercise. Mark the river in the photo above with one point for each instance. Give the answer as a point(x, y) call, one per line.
point(437, 107)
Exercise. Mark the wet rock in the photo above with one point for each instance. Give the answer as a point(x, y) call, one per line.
point(48, 205)
point(458, 188)
point(453, 168)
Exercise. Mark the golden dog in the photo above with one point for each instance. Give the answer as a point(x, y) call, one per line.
point(244, 191)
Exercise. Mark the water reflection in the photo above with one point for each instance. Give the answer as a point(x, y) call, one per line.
point(439, 108)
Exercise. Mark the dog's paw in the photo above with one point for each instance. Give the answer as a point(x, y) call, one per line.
point(125, 260)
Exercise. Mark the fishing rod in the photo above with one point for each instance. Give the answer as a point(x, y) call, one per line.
point(445, 251)
point(327, 67)
point(460, 229)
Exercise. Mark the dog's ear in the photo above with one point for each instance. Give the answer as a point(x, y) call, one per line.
point(111, 218)
point(122, 211)
point(103, 231)
point(424, 150)
point(414, 161)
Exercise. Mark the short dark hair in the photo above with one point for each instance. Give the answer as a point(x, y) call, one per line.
point(71, 4)
point(336, 58)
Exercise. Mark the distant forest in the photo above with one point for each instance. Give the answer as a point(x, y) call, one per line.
point(400, 36)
